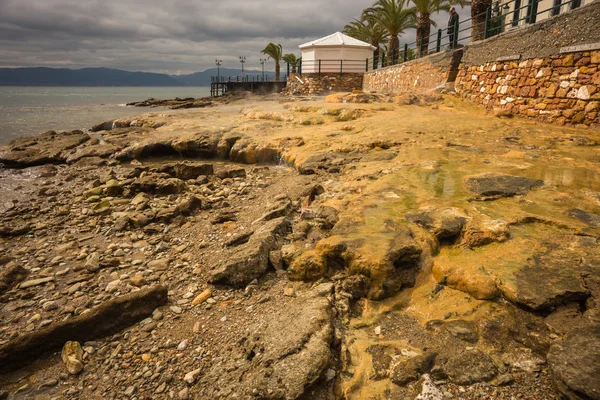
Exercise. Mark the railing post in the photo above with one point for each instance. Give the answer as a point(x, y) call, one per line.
point(421, 47)
point(382, 59)
point(534, 11)
point(455, 38)
point(488, 21)
point(288, 68)
point(341, 66)
point(367, 65)
point(405, 52)
point(319, 67)
point(438, 46)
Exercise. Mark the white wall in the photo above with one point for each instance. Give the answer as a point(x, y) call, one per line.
point(334, 59)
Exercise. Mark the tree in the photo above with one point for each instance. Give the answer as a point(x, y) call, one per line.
point(292, 61)
point(395, 19)
point(424, 9)
point(478, 11)
point(275, 51)
point(368, 30)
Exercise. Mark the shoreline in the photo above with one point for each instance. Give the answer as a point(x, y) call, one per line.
point(407, 245)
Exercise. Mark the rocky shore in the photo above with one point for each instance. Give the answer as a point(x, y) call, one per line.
point(349, 247)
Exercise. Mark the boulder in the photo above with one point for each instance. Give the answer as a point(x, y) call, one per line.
point(280, 358)
point(11, 274)
point(575, 364)
point(489, 186)
point(250, 260)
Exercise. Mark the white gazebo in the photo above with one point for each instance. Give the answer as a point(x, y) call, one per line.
point(336, 53)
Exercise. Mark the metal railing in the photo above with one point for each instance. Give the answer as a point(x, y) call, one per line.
point(497, 19)
point(246, 78)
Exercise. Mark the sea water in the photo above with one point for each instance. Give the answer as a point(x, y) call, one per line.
point(33, 110)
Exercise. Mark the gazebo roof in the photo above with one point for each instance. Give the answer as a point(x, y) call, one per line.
point(337, 39)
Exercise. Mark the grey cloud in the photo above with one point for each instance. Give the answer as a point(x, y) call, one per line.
point(176, 36)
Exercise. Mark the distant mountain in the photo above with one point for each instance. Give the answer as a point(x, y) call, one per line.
point(110, 77)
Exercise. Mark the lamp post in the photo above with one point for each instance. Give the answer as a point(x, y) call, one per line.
point(218, 62)
point(242, 60)
point(262, 63)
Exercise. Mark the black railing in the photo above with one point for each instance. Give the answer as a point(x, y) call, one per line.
point(246, 78)
point(495, 20)
point(341, 67)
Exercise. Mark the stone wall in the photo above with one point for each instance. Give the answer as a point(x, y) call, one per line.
point(316, 84)
point(548, 71)
point(420, 76)
point(562, 89)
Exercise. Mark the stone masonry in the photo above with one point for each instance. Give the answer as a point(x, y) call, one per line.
point(417, 76)
point(317, 84)
point(561, 89)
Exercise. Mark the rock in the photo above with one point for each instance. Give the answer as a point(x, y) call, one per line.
point(429, 391)
point(482, 230)
point(232, 173)
point(490, 186)
point(187, 170)
point(72, 356)
point(463, 330)
point(202, 297)
point(10, 275)
point(282, 355)
point(152, 184)
point(575, 364)
point(190, 377)
point(36, 282)
point(505, 380)
point(92, 263)
point(184, 394)
point(412, 369)
point(48, 148)
point(138, 280)
point(445, 223)
point(113, 286)
point(106, 319)
point(250, 261)
point(589, 218)
point(468, 367)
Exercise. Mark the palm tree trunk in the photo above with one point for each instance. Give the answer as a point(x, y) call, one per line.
point(277, 70)
point(393, 48)
point(423, 32)
point(478, 10)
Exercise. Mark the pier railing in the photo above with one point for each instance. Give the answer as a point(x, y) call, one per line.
point(246, 78)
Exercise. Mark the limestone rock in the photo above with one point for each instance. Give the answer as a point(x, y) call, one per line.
point(72, 356)
point(250, 260)
point(575, 364)
point(468, 367)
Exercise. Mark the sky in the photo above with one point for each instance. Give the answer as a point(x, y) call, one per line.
point(166, 36)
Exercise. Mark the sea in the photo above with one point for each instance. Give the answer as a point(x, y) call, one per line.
point(33, 110)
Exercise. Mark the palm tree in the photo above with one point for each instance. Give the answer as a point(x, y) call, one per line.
point(275, 51)
point(395, 19)
point(424, 9)
point(368, 30)
point(292, 61)
point(478, 11)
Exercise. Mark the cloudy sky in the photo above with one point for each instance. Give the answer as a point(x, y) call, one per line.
point(169, 36)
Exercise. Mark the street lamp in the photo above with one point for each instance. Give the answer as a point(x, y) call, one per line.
point(262, 63)
point(242, 60)
point(218, 62)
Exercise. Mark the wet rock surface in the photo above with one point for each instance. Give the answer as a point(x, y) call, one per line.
point(301, 249)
